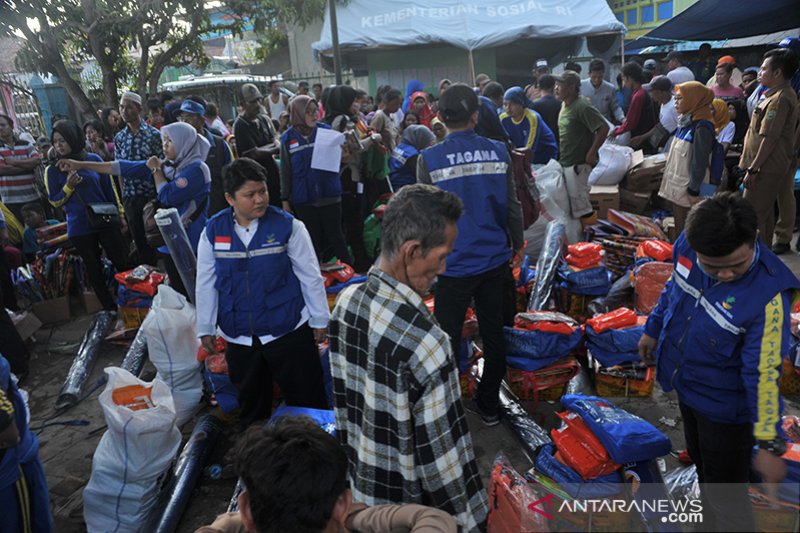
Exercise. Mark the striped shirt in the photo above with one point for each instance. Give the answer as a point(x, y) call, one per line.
point(18, 188)
point(397, 402)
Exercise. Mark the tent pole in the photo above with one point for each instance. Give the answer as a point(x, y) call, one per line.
point(622, 48)
point(470, 67)
point(337, 57)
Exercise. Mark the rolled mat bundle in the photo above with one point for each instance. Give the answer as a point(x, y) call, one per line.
point(84, 361)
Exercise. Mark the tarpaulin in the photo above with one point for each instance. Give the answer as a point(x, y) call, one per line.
point(465, 24)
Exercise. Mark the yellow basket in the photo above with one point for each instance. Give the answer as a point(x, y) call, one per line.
point(624, 387)
point(133, 317)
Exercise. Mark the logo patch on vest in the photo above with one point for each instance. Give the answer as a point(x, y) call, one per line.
point(222, 242)
point(684, 266)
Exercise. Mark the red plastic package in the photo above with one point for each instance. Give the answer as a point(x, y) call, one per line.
point(337, 273)
point(584, 262)
point(548, 321)
point(619, 318)
point(143, 279)
point(511, 499)
point(649, 281)
point(221, 345)
point(580, 449)
point(584, 249)
point(655, 249)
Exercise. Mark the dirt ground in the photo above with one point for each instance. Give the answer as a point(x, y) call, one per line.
point(68, 440)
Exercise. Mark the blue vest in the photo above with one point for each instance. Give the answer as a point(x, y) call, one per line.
point(400, 173)
point(309, 184)
point(28, 446)
point(475, 169)
point(259, 294)
point(701, 348)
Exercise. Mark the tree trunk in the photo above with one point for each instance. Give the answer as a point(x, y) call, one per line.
point(141, 78)
point(109, 84)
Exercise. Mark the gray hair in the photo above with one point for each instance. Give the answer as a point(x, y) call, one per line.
point(418, 212)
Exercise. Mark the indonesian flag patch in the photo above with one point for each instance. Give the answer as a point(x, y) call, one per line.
point(222, 242)
point(684, 266)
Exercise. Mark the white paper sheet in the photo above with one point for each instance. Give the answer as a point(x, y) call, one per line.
point(327, 151)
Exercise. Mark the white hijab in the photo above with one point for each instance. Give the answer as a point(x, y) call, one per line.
point(190, 146)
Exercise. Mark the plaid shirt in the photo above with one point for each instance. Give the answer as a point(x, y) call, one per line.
point(138, 147)
point(397, 402)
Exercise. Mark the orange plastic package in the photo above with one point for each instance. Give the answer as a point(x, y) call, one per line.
point(619, 318)
point(655, 249)
point(134, 397)
point(584, 249)
point(649, 281)
point(580, 449)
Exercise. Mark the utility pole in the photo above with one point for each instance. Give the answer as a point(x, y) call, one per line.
point(337, 57)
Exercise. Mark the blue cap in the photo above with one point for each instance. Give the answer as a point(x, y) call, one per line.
point(792, 43)
point(190, 106)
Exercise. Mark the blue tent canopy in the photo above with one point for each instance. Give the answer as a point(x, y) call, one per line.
point(724, 19)
point(465, 24)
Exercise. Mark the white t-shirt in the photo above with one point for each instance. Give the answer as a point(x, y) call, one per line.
point(727, 133)
point(275, 110)
point(668, 117)
point(680, 75)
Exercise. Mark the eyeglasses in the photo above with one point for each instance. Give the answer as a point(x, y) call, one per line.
point(311, 111)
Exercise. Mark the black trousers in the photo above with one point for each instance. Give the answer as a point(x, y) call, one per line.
point(134, 213)
point(453, 296)
point(88, 247)
point(292, 361)
point(13, 347)
point(722, 455)
point(9, 299)
point(324, 224)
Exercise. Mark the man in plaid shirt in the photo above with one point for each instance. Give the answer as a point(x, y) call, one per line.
point(396, 390)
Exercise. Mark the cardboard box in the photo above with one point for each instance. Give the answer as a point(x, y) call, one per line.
point(52, 311)
point(634, 202)
point(91, 304)
point(26, 323)
point(603, 198)
point(646, 176)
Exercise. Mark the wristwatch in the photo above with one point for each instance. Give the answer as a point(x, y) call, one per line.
point(752, 170)
point(776, 446)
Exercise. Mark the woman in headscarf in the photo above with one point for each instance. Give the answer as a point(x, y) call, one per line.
point(420, 105)
point(737, 110)
point(403, 161)
point(723, 126)
point(74, 190)
point(182, 180)
point(525, 127)
point(413, 86)
point(439, 129)
point(443, 85)
point(341, 113)
point(689, 155)
point(489, 125)
point(313, 195)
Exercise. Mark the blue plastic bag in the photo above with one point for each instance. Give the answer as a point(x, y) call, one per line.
point(224, 391)
point(529, 365)
point(540, 344)
point(591, 281)
point(614, 346)
point(627, 437)
point(323, 417)
point(572, 482)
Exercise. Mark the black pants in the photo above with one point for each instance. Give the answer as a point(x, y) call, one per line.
point(453, 296)
point(134, 213)
point(88, 247)
point(722, 455)
point(292, 361)
point(13, 347)
point(353, 220)
point(9, 299)
point(175, 280)
point(324, 224)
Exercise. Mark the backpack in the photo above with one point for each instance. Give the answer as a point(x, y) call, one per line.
point(716, 164)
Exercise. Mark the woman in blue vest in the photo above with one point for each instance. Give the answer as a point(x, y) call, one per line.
point(403, 161)
point(24, 500)
point(525, 127)
point(74, 191)
point(183, 181)
point(259, 286)
point(312, 195)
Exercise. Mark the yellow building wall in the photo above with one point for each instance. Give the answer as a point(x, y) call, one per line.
point(642, 16)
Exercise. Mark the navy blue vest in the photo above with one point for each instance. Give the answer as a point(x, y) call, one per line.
point(259, 294)
point(309, 184)
point(475, 169)
point(28, 446)
point(400, 172)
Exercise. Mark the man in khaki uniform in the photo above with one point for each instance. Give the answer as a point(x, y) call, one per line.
point(769, 142)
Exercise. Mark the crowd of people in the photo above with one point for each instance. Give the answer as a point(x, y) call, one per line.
point(264, 221)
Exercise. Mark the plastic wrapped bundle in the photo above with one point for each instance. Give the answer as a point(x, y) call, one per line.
point(136, 355)
point(555, 243)
point(171, 228)
point(84, 360)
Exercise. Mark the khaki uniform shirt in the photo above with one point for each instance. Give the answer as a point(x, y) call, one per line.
point(775, 116)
